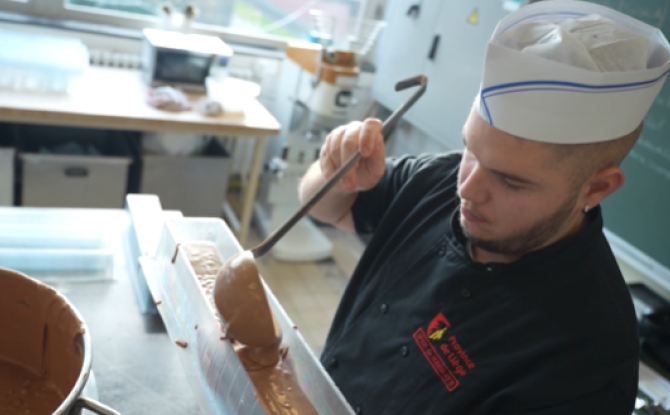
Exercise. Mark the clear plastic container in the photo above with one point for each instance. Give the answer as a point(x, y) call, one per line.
point(216, 374)
point(54, 244)
point(56, 260)
point(38, 63)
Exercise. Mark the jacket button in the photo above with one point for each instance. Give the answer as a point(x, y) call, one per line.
point(404, 350)
point(442, 251)
point(358, 410)
point(333, 363)
point(465, 293)
point(383, 308)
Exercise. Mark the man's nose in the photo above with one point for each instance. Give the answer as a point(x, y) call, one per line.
point(473, 186)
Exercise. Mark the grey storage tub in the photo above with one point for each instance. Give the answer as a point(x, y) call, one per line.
point(195, 185)
point(73, 180)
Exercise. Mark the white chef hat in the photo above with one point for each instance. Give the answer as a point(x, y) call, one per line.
point(568, 72)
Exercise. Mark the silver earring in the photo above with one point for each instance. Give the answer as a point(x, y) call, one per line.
point(586, 209)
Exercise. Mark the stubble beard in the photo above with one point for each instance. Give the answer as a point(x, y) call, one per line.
point(528, 239)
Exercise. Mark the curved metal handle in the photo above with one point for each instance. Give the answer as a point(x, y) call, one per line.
point(270, 241)
point(433, 47)
point(91, 405)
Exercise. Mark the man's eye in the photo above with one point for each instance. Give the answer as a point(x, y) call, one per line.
point(510, 186)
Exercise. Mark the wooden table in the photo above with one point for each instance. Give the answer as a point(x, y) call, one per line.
point(116, 99)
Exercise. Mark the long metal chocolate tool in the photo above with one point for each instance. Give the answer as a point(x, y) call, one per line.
point(272, 239)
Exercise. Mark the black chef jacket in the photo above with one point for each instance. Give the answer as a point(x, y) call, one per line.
point(422, 329)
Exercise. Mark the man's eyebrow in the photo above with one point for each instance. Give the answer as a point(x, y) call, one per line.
point(504, 175)
point(512, 177)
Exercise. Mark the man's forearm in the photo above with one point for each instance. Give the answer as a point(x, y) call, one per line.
point(335, 207)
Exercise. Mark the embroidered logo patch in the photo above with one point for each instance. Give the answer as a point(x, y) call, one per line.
point(437, 327)
point(451, 362)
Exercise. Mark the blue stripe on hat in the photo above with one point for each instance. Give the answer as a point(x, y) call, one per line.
point(542, 85)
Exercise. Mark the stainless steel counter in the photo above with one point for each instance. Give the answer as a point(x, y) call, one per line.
point(136, 366)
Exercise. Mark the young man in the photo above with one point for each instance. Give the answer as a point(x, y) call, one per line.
point(488, 286)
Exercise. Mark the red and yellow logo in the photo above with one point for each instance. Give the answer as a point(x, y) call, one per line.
point(444, 354)
point(437, 327)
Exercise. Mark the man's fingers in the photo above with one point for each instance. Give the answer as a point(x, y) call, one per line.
point(349, 147)
point(335, 144)
point(350, 141)
point(343, 142)
point(326, 163)
point(370, 137)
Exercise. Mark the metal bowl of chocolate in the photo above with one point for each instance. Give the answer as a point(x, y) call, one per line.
point(45, 351)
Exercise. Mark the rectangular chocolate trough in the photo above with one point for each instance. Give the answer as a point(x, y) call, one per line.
point(218, 379)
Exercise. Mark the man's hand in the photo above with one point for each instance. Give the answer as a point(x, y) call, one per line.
point(342, 142)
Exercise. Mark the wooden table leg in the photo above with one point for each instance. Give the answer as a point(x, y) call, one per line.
point(250, 192)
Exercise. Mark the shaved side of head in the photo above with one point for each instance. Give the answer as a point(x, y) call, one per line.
point(583, 160)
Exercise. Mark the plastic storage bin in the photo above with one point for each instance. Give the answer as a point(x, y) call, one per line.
point(195, 185)
point(73, 180)
point(7, 176)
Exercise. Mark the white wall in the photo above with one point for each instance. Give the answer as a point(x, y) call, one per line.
point(408, 139)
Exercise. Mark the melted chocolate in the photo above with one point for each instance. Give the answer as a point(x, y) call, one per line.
point(203, 257)
point(278, 392)
point(248, 321)
point(239, 296)
point(24, 392)
point(40, 353)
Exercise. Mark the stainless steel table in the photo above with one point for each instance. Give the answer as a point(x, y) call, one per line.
point(136, 366)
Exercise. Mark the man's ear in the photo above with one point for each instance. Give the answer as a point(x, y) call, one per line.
point(602, 184)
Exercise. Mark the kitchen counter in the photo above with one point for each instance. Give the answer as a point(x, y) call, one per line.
point(136, 366)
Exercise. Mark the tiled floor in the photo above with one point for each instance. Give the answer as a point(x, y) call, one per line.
point(311, 291)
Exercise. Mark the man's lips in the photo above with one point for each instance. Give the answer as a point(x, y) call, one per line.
point(470, 217)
